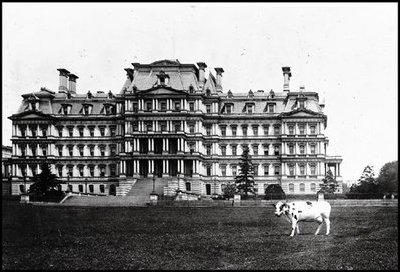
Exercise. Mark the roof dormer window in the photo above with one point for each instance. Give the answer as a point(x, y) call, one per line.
point(109, 109)
point(87, 109)
point(163, 78)
point(110, 95)
point(89, 95)
point(208, 92)
point(65, 109)
point(191, 89)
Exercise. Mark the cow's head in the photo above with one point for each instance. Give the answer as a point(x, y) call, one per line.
point(280, 208)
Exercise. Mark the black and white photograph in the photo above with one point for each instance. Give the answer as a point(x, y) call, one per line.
point(199, 136)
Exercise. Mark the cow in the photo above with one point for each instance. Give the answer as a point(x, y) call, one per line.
point(304, 211)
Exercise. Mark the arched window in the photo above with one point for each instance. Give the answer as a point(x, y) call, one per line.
point(312, 187)
point(291, 187)
point(188, 186)
point(302, 187)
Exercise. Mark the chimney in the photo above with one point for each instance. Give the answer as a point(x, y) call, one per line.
point(286, 78)
point(202, 78)
point(63, 80)
point(219, 72)
point(72, 82)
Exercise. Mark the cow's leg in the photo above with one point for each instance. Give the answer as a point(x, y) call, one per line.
point(328, 225)
point(319, 226)
point(294, 223)
point(297, 228)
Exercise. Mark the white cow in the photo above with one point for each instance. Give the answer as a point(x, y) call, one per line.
point(304, 211)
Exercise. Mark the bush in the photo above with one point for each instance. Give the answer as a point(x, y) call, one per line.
point(274, 191)
point(230, 190)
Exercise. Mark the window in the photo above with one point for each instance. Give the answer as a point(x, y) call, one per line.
point(249, 109)
point(33, 170)
point(208, 167)
point(33, 148)
point(234, 170)
point(244, 130)
point(60, 170)
point(60, 149)
point(191, 148)
point(234, 131)
point(112, 131)
point(234, 150)
point(208, 130)
point(302, 170)
point(102, 171)
point(102, 131)
point(223, 150)
point(255, 130)
point(91, 131)
point(80, 131)
point(301, 104)
point(302, 129)
point(291, 149)
point(80, 186)
point(312, 129)
point(266, 151)
point(113, 150)
point(91, 150)
point(163, 126)
point(91, 170)
point(291, 130)
point(277, 170)
point(255, 168)
point(266, 129)
point(177, 127)
point(228, 109)
point(188, 186)
point(91, 188)
point(191, 106)
point(312, 187)
point(223, 170)
point(255, 149)
point(70, 170)
point(64, 109)
point(86, 110)
point(112, 170)
point(102, 188)
point(163, 106)
point(71, 131)
point(208, 150)
point(291, 170)
point(302, 149)
point(312, 149)
point(148, 106)
point(149, 126)
point(135, 107)
point(102, 150)
point(81, 150)
point(34, 132)
point(291, 187)
point(270, 108)
point(109, 109)
point(276, 150)
point(302, 187)
point(22, 188)
point(191, 128)
point(44, 150)
point(223, 131)
point(23, 132)
point(177, 105)
point(312, 169)
point(71, 150)
point(208, 108)
point(60, 131)
point(277, 130)
point(80, 168)
point(266, 170)
point(44, 131)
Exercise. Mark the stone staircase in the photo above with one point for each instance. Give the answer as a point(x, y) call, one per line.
point(144, 187)
point(125, 186)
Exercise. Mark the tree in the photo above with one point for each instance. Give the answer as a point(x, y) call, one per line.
point(367, 186)
point(388, 178)
point(245, 179)
point(44, 182)
point(274, 191)
point(329, 184)
point(229, 190)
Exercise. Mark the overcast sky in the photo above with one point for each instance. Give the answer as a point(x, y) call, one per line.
point(345, 52)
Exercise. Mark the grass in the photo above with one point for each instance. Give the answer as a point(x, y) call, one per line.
point(40, 237)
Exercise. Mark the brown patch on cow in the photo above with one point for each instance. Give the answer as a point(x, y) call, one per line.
point(295, 217)
point(309, 203)
point(293, 209)
point(300, 211)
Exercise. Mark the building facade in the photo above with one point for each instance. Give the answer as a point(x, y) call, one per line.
point(6, 152)
point(173, 125)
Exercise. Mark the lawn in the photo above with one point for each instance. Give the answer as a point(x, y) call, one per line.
point(40, 237)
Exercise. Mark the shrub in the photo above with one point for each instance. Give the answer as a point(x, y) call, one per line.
point(274, 191)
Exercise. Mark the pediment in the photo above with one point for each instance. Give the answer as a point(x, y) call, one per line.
point(31, 115)
point(301, 113)
point(162, 91)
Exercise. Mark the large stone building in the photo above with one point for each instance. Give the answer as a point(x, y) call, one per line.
point(175, 127)
point(6, 152)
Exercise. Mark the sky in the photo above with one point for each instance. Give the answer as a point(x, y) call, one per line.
point(346, 52)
